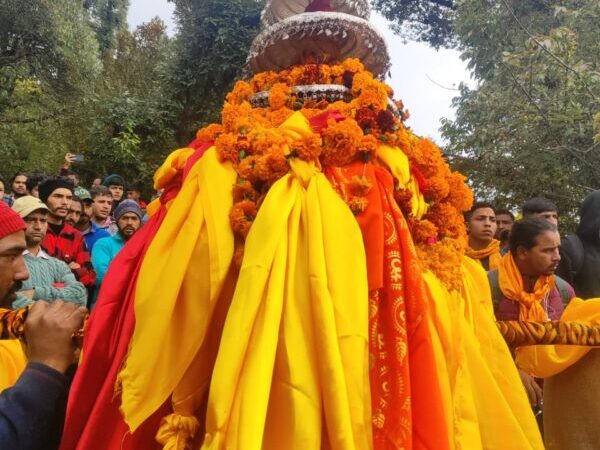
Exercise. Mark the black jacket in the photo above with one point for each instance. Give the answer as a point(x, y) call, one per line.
point(32, 411)
point(580, 252)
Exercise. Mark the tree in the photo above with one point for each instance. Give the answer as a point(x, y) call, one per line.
point(528, 127)
point(48, 64)
point(428, 21)
point(109, 17)
point(211, 47)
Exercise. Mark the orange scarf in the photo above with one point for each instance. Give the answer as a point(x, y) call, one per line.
point(492, 250)
point(511, 285)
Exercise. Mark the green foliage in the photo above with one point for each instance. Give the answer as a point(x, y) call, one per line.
point(211, 48)
point(109, 17)
point(428, 21)
point(528, 127)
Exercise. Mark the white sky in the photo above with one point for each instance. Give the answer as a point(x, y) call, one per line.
point(414, 65)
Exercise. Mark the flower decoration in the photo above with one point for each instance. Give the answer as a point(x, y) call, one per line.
point(343, 133)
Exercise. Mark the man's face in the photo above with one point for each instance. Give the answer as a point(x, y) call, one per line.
point(59, 202)
point(19, 185)
point(74, 179)
point(134, 195)
point(37, 226)
point(101, 207)
point(13, 270)
point(504, 222)
point(86, 214)
point(550, 216)
point(1, 189)
point(482, 225)
point(74, 214)
point(128, 224)
point(35, 191)
point(96, 182)
point(542, 258)
point(116, 191)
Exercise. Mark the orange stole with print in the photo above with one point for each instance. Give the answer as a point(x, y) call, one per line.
point(403, 373)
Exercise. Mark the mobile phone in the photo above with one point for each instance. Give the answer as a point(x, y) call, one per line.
point(78, 158)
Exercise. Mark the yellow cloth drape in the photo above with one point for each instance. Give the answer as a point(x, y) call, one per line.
point(490, 407)
point(492, 252)
point(180, 280)
point(511, 285)
point(292, 368)
point(399, 166)
point(12, 362)
point(544, 361)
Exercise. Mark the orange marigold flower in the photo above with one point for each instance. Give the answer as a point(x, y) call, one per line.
point(366, 118)
point(444, 260)
point(226, 145)
point(241, 92)
point(368, 147)
point(423, 231)
point(266, 140)
point(460, 196)
point(271, 166)
point(209, 133)
point(241, 216)
point(246, 168)
point(235, 115)
point(341, 141)
point(276, 118)
point(353, 65)
point(309, 148)
point(437, 187)
point(279, 96)
point(358, 205)
point(359, 186)
point(243, 190)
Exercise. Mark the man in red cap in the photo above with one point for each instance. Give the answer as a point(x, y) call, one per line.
point(32, 411)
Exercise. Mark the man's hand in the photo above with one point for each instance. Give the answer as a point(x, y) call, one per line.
point(74, 266)
point(534, 392)
point(49, 332)
point(69, 160)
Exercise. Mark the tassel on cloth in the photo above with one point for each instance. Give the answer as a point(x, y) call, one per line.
point(177, 432)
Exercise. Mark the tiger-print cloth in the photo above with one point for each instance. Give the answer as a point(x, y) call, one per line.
point(556, 332)
point(12, 324)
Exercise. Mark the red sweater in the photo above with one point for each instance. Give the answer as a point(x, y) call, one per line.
point(68, 245)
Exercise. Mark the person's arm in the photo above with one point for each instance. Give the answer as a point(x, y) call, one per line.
point(101, 259)
point(30, 409)
point(73, 291)
point(32, 412)
point(85, 272)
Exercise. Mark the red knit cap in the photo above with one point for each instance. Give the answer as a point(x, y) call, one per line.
point(10, 221)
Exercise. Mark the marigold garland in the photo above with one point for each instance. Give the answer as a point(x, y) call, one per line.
point(260, 154)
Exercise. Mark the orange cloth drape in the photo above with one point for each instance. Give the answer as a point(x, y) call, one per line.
point(403, 370)
point(511, 285)
point(492, 252)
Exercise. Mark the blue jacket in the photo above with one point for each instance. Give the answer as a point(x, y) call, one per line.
point(32, 412)
point(93, 235)
point(103, 254)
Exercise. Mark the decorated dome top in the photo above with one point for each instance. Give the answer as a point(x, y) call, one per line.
point(278, 10)
point(321, 31)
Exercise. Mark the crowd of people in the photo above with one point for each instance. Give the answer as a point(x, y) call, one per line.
point(534, 273)
point(72, 234)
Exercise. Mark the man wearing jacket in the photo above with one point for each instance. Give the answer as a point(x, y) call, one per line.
point(32, 411)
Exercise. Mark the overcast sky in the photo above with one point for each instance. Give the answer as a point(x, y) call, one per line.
point(423, 78)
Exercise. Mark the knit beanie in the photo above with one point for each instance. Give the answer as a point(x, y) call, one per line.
point(49, 186)
point(114, 180)
point(128, 206)
point(10, 221)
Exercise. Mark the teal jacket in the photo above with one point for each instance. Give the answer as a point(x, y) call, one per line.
point(104, 252)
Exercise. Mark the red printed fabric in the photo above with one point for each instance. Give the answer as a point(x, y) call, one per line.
point(69, 246)
point(405, 388)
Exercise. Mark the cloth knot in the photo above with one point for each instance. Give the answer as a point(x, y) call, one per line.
point(176, 432)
